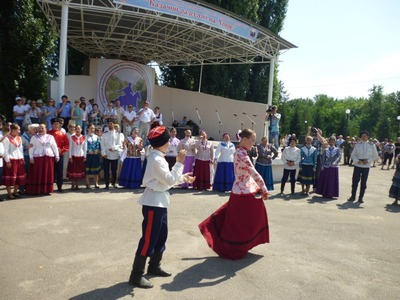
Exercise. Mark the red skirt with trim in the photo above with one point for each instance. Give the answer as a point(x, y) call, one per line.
point(202, 173)
point(16, 174)
point(41, 176)
point(237, 226)
point(76, 170)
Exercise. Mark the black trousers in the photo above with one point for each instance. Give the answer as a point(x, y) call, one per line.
point(286, 174)
point(114, 165)
point(359, 174)
point(58, 171)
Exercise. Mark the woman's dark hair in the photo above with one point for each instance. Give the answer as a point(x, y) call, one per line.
point(95, 105)
point(247, 133)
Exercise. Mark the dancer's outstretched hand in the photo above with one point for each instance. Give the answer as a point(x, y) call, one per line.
point(188, 178)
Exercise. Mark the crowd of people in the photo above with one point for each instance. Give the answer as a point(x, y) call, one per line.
point(47, 142)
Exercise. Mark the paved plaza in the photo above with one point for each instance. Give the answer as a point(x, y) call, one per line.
point(80, 245)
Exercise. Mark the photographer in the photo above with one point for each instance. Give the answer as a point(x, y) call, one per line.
point(273, 119)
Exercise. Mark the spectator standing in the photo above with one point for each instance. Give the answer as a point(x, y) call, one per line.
point(388, 151)
point(291, 158)
point(129, 119)
point(146, 117)
point(158, 115)
point(19, 111)
point(34, 112)
point(95, 116)
point(363, 154)
point(50, 113)
point(64, 111)
point(119, 113)
point(77, 113)
point(274, 118)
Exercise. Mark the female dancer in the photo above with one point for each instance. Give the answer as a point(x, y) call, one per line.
point(266, 154)
point(242, 222)
point(188, 144)
point(203, 159)
point(14, 172)
point(328, 183)
point(77, 157)
point(224, 175)
point(131, 172)
point(93, 151)
point(308, 165)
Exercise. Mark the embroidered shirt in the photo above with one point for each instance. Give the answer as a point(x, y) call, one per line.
point(331, 157)
point(204, 150)
point(189, 145)
point(173, 147)
point(308, 155)
point(224, 152)
point(43, 145)
point(13, 148)
point(92, 144)
point(77, 146)
point(265, 154)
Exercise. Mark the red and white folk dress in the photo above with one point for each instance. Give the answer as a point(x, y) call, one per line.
point(14, 154)
point(77, 152)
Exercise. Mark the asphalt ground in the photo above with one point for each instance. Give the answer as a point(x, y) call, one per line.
point(80, 245)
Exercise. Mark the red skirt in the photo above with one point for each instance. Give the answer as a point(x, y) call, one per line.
point(41, 176)
point(16, 174)
point(202, 173)
point(76, 170)
point(237, 226)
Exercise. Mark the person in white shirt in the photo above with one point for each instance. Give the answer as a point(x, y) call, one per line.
point(76, 157)
point(158, 179)
point(204, 160)
point(120, 111)
point(224, 175)
point(188, 144)
point(19, 111)
point(42, 154)
point(291, 158)
point(146, 117)
point(14, 173)
point(172, 151)
point(363, 154)
point(129, 119)
point(111, 146)
point(158, 115)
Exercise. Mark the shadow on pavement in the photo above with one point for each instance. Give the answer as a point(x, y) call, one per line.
point(211, 271)
point(114, 292)
point(392, 208)
point(349, 205)
point(320, 200)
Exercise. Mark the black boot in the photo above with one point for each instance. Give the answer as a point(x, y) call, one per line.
point(136, 278)
point(154, 267)
point(282, 187)
point(292, 186)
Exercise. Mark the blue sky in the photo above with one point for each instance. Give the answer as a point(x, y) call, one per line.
point(344, 47)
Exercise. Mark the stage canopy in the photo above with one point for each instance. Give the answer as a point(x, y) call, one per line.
point(169, 32)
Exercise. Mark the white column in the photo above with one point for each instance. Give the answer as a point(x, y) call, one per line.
point(63, 50)
point(201, 76)
point(270, 90)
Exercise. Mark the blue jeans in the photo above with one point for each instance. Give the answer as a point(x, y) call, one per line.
point(274, 136)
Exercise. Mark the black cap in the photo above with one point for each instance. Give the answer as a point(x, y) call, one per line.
point(158, 136)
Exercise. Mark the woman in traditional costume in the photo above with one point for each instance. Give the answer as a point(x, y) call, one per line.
point(241, 223)
point(394, 191)
point(14, 171)
point(203, 160)
point(93, 151)
point(42, 155)
point(308, 165)
point(266, 153)
point(131, 172)
point(224, 175)
point(77, 157)
point(188, 144)
point(328, 183)
point(172, 151)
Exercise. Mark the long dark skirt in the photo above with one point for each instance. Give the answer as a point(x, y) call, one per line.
point(306, 175)
point(202, 173)
point(266, 173)
point(224, 177)
point(16, 174)
point(131, 173)
point(41, 176)
point(328, 183)
point(76, 168)
point(93, 164)
point(394, 191)
point(237, 226)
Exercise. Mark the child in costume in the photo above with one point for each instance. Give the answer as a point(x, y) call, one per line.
point(158, 179)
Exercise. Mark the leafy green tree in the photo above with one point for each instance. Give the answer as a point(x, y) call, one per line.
point(27, 46)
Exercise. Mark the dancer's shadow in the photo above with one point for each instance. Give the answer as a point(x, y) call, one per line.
point(320, 200)
point(392, 208)
point(211, 271)
point(114, 292)
point(349, 205)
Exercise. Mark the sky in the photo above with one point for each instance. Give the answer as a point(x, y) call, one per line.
point(344, 48)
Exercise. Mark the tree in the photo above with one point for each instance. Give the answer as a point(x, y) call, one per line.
point(27, 46)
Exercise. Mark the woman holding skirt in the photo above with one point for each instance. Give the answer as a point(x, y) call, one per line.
point(131, 171)
point(77, 156)
point(224, 175)
point(328, 183)
point(242, 223)
point(93, 151)
point(308, 165)
point(188, 144)
point(266, 154)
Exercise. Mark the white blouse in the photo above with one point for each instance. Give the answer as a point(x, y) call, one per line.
point(43, 145)
point(13, 148)
point(224, 152)
point(77, 146)
point(189, 145)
